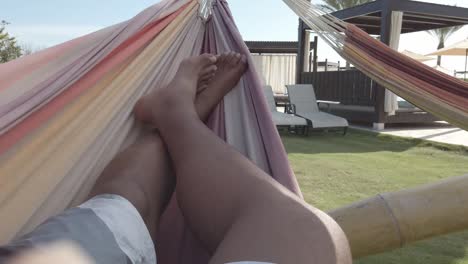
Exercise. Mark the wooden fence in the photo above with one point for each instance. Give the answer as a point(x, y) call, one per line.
point(347, 87)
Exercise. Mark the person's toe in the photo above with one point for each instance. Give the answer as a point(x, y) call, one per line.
point(199, 64)
point(202, 87)
point(208, 72)
point(222, 59)
point(231, 57)
point(243, 63)
point(236, 60)
point(206, 59)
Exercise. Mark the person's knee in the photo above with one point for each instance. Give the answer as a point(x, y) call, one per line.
point(334, 246)
point(308, 230)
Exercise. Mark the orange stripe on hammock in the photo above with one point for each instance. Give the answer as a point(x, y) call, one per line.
point(114, 59)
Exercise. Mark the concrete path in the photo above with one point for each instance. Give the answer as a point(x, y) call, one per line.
point(439, 132)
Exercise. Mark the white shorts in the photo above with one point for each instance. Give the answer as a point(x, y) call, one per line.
point(108, 228)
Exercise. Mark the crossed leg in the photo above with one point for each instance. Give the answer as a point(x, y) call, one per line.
point(237, 210)
point(142, 173)
point(234, 208)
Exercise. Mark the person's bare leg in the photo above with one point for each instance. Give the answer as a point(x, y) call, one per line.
point(235, 208)
point(142, 173)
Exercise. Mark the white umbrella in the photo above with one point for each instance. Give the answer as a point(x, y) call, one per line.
point(417, 56)
point(458, 49)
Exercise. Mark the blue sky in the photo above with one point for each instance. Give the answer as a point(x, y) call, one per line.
point(48, 22)
point(44, 23)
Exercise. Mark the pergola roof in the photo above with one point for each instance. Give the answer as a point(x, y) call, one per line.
point(418, 16)
point(286, 47)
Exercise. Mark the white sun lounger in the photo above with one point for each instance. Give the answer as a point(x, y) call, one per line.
point(304, 104)
point(282, 120)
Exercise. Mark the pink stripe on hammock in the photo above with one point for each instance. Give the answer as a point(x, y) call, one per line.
point(95, 49)
point(14, 70)
point(118, 56)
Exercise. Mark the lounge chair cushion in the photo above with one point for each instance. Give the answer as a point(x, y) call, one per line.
point(302, 96)
point(282, 119)
point(324, 120)
point(270, 98)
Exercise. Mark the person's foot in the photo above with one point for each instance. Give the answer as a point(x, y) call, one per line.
point(181, 91)
point(212, 83)
point(231, 66)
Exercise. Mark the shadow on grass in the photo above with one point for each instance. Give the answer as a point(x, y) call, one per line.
point(357, 141)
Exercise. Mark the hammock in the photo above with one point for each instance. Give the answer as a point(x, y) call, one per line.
point(65, 112)
point(435, 92)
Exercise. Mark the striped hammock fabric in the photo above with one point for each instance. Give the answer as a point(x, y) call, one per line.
point(435, 92)
point(65, 112)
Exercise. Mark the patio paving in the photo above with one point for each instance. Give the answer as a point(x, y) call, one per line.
point(438, 132)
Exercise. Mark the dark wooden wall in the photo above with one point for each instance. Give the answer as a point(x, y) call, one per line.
point(346, 87)
point(356, 89)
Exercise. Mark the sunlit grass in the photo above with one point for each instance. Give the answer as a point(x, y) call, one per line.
point(334, 171)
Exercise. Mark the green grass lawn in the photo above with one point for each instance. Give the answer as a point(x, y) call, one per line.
point(334, 171)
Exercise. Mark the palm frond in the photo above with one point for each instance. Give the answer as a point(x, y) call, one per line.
point(326, 8)
point(443, 34)
point(343, 4)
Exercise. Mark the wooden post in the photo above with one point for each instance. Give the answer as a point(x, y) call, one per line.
point(315, 68)
point(303, 43)
point(326, 65)
point(385, 31)
point(300, 51)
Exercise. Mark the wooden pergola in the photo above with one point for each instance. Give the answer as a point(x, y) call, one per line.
point(376, 19)
point(275, 47)
point(284, 47)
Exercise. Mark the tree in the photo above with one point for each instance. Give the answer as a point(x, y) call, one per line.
point(335, 5)
point(442, 35)
point(28, 49)
point(9, 48)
